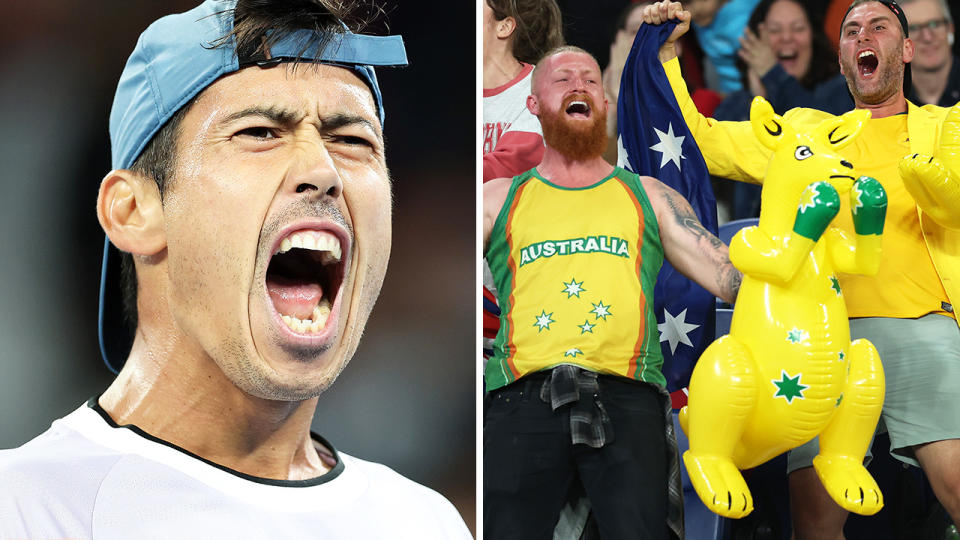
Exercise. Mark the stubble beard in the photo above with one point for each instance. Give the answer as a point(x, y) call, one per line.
point(891, 78)
point(575, 140)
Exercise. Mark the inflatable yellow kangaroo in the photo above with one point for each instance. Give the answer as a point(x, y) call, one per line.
point(788, 371)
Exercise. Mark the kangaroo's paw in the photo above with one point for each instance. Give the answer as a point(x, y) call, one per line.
point(719, 484)
point(849, 484)
point(868, 203)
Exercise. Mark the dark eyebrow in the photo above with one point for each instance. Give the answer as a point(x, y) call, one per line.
point(275, 114)
point(288, 117)
point(339, 120)
point(882, 18)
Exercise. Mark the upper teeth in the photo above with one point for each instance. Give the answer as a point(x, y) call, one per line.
point(866, 53)
point(584, 103)
point(313, 240)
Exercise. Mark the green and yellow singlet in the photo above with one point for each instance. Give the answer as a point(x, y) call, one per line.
point(575, 270)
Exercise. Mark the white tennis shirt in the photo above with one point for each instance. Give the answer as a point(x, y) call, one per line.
point(86, 478)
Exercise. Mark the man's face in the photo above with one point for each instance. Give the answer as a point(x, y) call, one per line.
point(632, 25)
point(872, 53)
point(702, 12)
point(788, 31)
point(928, 30)
point(570, 103)
point(269, 160)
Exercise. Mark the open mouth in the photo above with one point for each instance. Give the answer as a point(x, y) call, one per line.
point(304, 278)
point(787, 55)
point(578, 109)
point(867, 63)
point(788, 58)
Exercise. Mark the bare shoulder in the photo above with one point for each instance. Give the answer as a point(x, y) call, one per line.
point(495, 193)
point(660, 194)
point(651, 184)
point(497, 185)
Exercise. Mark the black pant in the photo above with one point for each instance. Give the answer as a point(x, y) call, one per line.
point(529, 462)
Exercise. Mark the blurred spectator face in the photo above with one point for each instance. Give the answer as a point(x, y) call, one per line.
point(929, 30)
point(635, 19)
point(788, 31)
point(703, 11)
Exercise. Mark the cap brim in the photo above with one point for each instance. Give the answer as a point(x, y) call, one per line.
point(116, 338)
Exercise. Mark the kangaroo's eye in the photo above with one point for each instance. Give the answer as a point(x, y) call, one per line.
point(802, 153)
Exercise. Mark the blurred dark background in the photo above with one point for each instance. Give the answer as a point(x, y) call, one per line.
point(408, 397)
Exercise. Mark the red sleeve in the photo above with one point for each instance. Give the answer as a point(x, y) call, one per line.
point(516, 152)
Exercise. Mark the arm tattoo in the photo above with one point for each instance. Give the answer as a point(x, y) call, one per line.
point(727, 277)
point(683, 214)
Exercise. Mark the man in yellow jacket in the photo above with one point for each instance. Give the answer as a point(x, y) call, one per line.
point(907, 309)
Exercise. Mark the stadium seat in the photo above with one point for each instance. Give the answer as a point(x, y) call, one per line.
point(730, 228)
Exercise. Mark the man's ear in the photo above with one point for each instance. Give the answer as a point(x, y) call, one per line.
point(908, 52)
point(533, 105)
point(131, 213)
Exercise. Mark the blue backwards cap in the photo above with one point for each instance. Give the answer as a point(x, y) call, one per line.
point(174, 60)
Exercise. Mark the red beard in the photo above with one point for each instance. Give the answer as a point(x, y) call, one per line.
point(575, 140)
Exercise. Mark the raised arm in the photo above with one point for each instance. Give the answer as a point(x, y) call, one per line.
point(690, 248)
point(729, 148)
point(494, 194)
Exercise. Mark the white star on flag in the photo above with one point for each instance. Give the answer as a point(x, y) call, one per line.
point(670, 147)
point(623, 160)
point(675, 329)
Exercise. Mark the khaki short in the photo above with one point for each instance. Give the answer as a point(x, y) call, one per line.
point(921, 363)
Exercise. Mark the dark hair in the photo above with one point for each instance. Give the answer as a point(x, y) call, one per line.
point(257, 26)
point(891, 5)
point(539, 26)
point(823, 58)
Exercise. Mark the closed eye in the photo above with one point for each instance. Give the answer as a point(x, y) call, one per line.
point(352, 140)
point(257, 132)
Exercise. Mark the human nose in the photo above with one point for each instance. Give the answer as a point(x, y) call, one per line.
point(314, 171)
point(925, 32)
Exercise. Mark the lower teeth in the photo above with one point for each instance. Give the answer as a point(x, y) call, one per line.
point(312, 325)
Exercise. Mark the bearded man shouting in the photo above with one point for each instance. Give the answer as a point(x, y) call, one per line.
point(574, 387)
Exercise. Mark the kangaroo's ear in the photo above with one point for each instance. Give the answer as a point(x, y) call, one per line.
point(767, 125)
point(839, 131)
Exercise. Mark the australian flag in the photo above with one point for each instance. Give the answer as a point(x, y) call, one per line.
point(654, 141)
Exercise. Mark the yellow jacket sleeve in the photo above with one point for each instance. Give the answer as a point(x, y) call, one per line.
point(729, 148)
